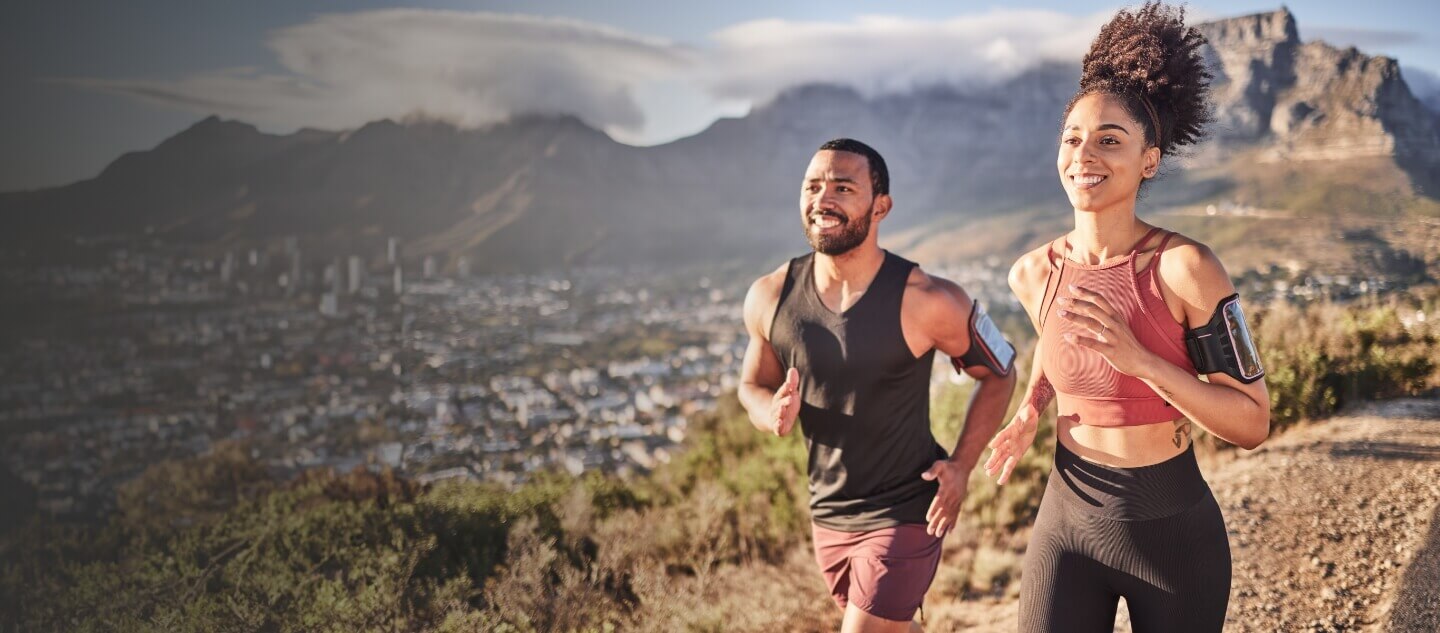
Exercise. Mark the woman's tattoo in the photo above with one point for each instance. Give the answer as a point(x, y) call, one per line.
point(1182, 427)
point(1041, 395)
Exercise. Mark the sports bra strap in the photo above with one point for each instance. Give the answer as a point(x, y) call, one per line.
point(1052, 283)
point(1140, 245)
point(1154, 261)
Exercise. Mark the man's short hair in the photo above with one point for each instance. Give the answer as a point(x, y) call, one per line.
point(879, 173)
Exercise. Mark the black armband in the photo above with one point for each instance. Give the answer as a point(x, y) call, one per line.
point(988, 346)
point(1224, 345)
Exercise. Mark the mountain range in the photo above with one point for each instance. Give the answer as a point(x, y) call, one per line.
point(541, 192)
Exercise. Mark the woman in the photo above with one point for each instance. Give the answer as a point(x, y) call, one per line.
point(1126, 512)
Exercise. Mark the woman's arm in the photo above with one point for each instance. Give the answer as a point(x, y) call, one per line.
point(1027, 280)
point(1010, 444)
point(1229, 409)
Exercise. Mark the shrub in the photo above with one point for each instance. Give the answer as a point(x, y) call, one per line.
point(994, 570)
point(1319, 358)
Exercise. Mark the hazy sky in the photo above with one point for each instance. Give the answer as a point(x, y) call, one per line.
point(87, 81)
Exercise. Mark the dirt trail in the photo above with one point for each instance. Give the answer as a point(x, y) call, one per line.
point(1327, 521)
point(1334, 526)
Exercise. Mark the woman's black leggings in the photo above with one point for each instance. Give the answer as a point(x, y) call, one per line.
point(1152, 534)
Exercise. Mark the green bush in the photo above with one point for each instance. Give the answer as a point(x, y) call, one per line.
point(212, 544)
point(1319, 358)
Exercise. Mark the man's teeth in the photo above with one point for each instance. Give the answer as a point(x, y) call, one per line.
point(1088, 180)
point(826, 222)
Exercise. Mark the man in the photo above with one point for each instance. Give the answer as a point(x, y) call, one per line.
point(843, 339)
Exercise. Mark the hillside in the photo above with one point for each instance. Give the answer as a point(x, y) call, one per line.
point(717, 538)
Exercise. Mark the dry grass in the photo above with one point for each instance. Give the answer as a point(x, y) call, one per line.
point(995, 571)
point(789, 596)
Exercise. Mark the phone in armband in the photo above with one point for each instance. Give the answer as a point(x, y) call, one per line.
point(1224, 345)
point(988, 346)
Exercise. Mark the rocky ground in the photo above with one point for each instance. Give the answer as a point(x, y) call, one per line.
point(1334, 526)
point(1327, 524)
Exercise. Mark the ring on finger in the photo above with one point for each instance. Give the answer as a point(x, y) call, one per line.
point(1103, 327)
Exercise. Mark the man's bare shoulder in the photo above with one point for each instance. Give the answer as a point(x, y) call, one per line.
point(932, 284)
point(933, 293)
point(769, 285)
point(763, 296)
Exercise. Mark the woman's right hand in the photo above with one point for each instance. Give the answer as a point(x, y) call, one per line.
point(1010, 444)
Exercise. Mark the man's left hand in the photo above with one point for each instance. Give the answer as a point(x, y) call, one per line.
point(945, 508)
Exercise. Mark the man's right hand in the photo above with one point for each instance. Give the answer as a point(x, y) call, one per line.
point(785, 405)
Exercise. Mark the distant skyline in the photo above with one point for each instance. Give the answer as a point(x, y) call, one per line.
point(86, 81)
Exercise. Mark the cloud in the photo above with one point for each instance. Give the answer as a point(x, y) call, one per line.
point(878, 54)
point(1362, 38)
point(343, 70)
point(1425, 85)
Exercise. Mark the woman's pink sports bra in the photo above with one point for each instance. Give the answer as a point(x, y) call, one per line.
point(1086, 386)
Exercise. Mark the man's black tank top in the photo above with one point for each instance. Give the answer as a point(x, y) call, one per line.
point(865, 408)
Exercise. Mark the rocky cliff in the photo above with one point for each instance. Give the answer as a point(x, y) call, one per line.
point(1311, 100)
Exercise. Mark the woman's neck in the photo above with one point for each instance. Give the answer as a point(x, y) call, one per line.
point(1101, 236)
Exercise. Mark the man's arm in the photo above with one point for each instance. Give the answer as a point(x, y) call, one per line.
point(950, 329)
point(770, 395)
point(942, 313)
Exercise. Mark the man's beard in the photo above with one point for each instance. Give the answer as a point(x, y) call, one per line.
point(851, 234)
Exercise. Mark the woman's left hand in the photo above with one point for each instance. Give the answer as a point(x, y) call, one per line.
point(1108, 335)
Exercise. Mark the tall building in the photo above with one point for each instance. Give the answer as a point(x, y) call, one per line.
point(294, 280)
point(329, 304)
point(227, 268)
point(337, 278)
point(429, 269)
point(399, 281)
point(357, 274)
point(392, 251)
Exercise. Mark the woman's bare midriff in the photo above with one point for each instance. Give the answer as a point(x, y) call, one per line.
point(1124, 446)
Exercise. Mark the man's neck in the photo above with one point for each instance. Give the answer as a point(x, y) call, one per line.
point(856, 268)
